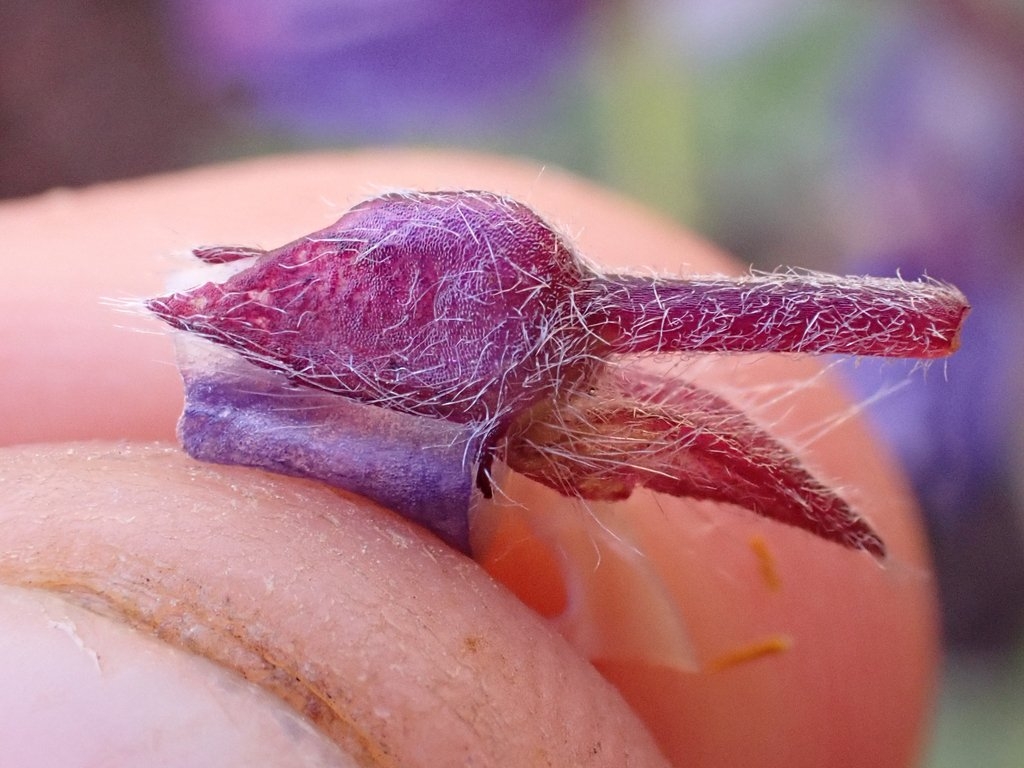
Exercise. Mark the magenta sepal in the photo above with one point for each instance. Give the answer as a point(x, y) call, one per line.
point(420, 467)
point(673, 437)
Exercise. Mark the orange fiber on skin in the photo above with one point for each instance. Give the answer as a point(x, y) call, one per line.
point(767, 647)
point(766, 563)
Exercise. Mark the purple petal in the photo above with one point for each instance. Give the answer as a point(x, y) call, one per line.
point(422, 468)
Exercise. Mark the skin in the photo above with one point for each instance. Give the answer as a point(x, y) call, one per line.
point(179, 576)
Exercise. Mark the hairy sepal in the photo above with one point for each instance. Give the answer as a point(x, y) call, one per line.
point(789, 311)
point(454, 305)
point(676, 438)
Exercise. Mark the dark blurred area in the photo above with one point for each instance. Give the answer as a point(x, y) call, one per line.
point(832, 134)
point(88, 93)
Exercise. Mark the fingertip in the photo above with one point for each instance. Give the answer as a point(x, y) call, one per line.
point(389, 642)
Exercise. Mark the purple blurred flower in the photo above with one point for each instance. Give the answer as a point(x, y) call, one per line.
point(372, 68)
point(936, 163)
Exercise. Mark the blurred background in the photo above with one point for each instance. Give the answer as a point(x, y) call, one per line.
point(833, 134)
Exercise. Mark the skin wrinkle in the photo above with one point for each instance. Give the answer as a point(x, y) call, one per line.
point(176, 619)
point(222, 642)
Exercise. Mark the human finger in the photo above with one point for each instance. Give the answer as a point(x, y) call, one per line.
point(878, 633)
